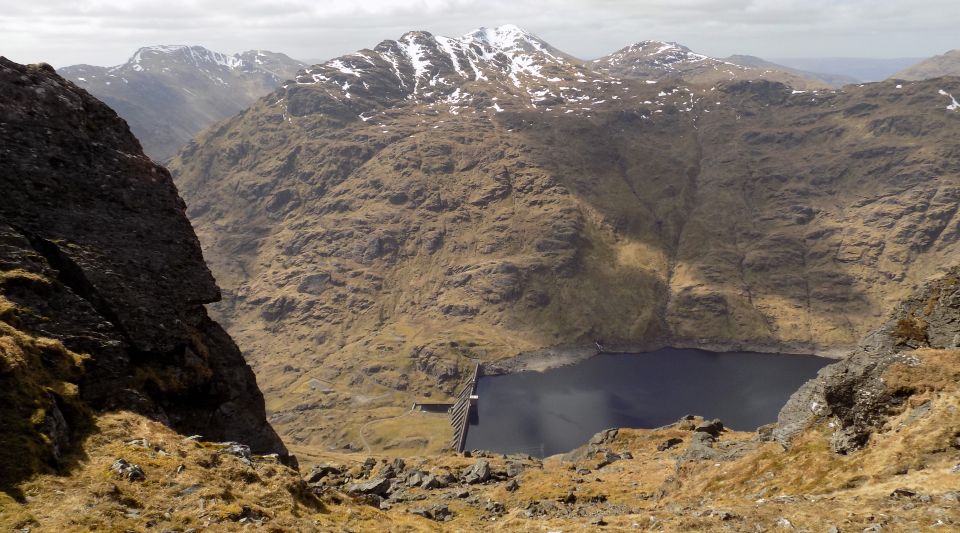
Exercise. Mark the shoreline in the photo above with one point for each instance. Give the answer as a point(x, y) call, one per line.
point(560, 356)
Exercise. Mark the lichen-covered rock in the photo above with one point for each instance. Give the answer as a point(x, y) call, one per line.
point(852, 392)
point(128, 471)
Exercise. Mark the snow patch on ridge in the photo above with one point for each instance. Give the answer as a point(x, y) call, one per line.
point(441, 74)
point(954, 105)
point(414, 53)
point(510, 52)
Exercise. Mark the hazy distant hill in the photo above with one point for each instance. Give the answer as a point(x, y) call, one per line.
point(169, 93)
point(947, 64)
point(862, 68)
point(834, 80)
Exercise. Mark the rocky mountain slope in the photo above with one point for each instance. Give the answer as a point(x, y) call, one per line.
point(169, 93)
point(947, 64)
point(657, 60)
point(901, 397)
point(397, 213)
point(102, 288)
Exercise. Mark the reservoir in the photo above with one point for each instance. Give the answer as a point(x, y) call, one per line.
point(545, 413)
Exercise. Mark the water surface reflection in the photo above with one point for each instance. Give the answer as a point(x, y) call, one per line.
point(558, 410)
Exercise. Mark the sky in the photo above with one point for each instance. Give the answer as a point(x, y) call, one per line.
point(107, 32)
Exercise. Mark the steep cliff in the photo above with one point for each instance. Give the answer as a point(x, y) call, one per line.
point(102, 286)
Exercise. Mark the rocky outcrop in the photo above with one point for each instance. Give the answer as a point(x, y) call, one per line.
point(97, 254)
point(852, 393)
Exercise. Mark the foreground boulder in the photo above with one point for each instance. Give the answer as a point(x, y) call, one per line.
point(378, 486)
point(478, 473)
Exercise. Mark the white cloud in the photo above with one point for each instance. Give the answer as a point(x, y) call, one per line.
point(107, 31)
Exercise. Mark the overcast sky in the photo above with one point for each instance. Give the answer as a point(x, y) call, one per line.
point(107, 32)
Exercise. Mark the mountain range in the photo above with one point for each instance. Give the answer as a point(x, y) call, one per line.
point(390, 217)
point(169, 93)
point(397, 213)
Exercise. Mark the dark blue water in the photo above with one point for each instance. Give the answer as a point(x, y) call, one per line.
point(544, 413)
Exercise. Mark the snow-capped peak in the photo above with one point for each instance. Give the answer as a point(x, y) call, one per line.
point(504, 37)
point(658, 57)
point(425, 65)
point(219, 67)
point(657, 47)
point(196, 55)
point(509, 39)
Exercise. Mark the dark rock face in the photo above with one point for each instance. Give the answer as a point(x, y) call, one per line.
point(852, 392)
point(110, 221)
point(112, 265)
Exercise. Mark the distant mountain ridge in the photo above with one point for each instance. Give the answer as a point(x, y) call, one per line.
point(168, 93)
point(662, 60)
point(433, 69)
